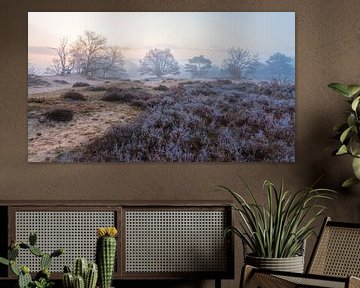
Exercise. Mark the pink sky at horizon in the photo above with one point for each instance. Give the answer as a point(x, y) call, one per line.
point(187, 34)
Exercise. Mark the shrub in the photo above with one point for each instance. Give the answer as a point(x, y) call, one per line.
point(224, 81)
point(95, 88)
point(136, 97)
point(80, 84)
point(114, 95)
point(35, 80)
point(161, 88)
point(36, 100)
point(60, 115)
point(61, 81)
point(72, 95)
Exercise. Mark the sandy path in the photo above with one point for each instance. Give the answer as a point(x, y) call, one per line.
point(48, 140)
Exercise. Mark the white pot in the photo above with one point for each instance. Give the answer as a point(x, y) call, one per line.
point(291, 264)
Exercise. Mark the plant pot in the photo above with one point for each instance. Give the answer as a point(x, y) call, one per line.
point(291, 264)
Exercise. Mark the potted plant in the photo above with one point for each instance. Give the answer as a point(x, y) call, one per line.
point(348, 133)
point(42, 278)
point(275, 233)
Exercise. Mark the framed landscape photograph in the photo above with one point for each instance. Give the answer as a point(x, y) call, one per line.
point(161, 87)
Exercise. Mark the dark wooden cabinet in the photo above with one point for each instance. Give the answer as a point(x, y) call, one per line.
point(162, 240)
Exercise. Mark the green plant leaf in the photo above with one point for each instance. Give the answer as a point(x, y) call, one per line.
point(340, 88)
point(353, 90)
point(351, 120)
point(345, 134)
point(355, 103)
point(349, 182)
point(342, 150)
point(354, 145)
point(4, 261)
point(356, 167)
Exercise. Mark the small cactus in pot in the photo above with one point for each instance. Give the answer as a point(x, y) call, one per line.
point(106, 254)
point(85, 275)
point(42, 278)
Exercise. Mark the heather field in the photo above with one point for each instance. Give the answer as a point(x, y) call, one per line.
point(165, 121)
point(208, 121)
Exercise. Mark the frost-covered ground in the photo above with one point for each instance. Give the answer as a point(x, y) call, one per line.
point(199, 121)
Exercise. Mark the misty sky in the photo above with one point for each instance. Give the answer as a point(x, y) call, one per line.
point(187, 34)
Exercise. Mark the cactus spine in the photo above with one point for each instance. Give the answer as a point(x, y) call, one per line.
point(106, 254)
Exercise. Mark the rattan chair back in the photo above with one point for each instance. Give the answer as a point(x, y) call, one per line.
point(337, 252)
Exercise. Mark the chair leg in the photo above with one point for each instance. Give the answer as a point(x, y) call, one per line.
point(246, 274)
point(217, 283)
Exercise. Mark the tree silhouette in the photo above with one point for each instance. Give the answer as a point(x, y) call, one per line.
point(198, 66)
point(63, 63)
point(111, 62)
point(159, 62)
point(237, 62)
point(280, 66)
point(86, 52)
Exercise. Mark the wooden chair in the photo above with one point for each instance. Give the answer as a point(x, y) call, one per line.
point(335, 262)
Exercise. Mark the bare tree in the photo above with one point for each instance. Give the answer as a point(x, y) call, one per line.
point(111, 62)
point(237, 62)
point(159, 63)
point(63, 63)
point(86, 52)
point(198, 66)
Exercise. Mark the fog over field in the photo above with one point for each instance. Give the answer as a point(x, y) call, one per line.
point(161, 87)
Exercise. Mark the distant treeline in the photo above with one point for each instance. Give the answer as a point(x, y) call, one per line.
point(90, 55)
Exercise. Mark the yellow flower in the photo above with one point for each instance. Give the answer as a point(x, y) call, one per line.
point(106, 231)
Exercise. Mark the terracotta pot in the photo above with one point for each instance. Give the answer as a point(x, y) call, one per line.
point(291, 264)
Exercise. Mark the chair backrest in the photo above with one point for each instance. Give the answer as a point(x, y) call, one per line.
point(337, 251)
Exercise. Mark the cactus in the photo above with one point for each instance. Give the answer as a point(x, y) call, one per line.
point(105, 254)
point(68, 280)
point(24, 278)
point(57, 252)
point(79, 282)
point(80, 267)
point(32, 238)
point(36, 251)
point(44, 273)
point(14, 268)
point(45, 261)
point(13, 253)
point(4, 261)
point(88, 273)
point(91, 276)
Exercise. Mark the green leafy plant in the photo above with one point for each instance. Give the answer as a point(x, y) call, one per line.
point(349, 131)
point(42, 278)
point(279, 229)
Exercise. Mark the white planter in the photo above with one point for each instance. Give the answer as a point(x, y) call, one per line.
point(291, 264)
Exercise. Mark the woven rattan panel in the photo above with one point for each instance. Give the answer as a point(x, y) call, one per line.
point(75, 231)
point(175, 241)
point(338, 253)
point(311, 282)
